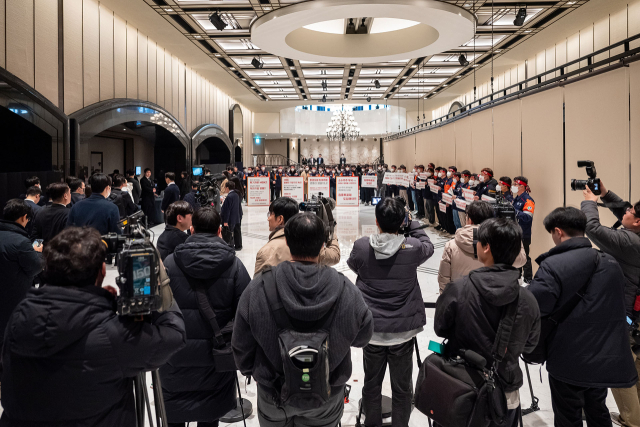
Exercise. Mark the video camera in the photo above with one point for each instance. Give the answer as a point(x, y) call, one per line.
point(138, 267)
point(208, 193)
point(322, 207)
point(502, 208)
point(593, 183)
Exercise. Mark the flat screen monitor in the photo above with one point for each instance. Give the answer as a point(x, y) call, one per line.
point(375, 200)
point(138, 170)
point(197, 171)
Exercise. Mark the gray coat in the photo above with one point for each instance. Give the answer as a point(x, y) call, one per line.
point(623, 244)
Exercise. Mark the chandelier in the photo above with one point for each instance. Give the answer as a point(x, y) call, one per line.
point(343, 127)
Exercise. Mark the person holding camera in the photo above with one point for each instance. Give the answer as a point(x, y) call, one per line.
point(312, 299)
point(191, 196)
point(96, 211)
point(193, 389)
point(469, 310)
point(68, 358)
point(588, 351)
point(178, 220)
point(386, 266)
point(623, 245)
point(277, 250)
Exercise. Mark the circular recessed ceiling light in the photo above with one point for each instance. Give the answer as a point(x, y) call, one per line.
point(397, 29)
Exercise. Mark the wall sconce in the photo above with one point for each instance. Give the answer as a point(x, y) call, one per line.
point(293, 144)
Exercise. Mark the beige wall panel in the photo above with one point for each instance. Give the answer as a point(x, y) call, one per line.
point(482, 140)
point(266, 123)
point(586, 43)
point(3, 29)
point(187, 78)
point(522, 70)
point(198, 100)
point(181, 91)
point(561, 55)
point(106, 54)
point(601, 37)
point(591, 126)
point(160, 77)
point(550, 61)
point(19, 39)
point(436, 147)
point(542, 145)
point(464, 154)
point(142, 67)
point(194, 100)
point(541, 62)
point(175, 85)
point(152, 71)
point(72, 20)
point(619, 29)
point(132, 62)
point(46, 49)
point(634, 77)
point(91, 51)
point(448, 154)
point(168, 79)
point(634, 22)
point(514, 78)
point(532, 69)
point(120, 56)
point(507, 147)
point(207, 101)
point(422, 148)
point(573, 50)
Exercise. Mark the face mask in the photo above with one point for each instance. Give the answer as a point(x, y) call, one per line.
point(429, 174)
point(280, 170)
point(393, 170)
point(514, 189)
point(499, 188)
point(262, 169)
point(414, 171)
point(476, 182)
point(481, 178)
point(342, 170)
point(449, 174)
point(370, 170)
point(313, 170)
point(293, 169)
point(306, 169)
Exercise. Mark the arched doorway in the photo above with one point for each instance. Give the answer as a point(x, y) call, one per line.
point(236, 132)
point(455, 107)
point(212, 147)
point(213, 150)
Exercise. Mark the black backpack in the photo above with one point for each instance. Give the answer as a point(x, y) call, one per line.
point(304, 348)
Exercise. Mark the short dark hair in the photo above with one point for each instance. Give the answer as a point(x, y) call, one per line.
point(147, 169)
point(15, 209)
point(521, 178)
point(285, 207)
point(74, 257)
point(70, 178)
point(206, 220)
point(206, 171)
point(455, 169)
point(130, 172)
point(466, 172)
point(194, 184)
point(504, 236)
point(390, 214)
point(170, 175)
point(57, 190)
point(479, 211)
point(118, 180)
point(305, 234)
point(239, 188)
point(115, 171)
point(177, 208)
point(570, 220)
point(99, 182)
point(506, 179)
point(75, 184)
point(230, 185)
point(33, 191)
point(32, 182)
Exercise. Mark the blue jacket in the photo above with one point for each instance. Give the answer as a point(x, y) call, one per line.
point(171, 194)
point(231, 211)
point(525, 206)
point(97, 212)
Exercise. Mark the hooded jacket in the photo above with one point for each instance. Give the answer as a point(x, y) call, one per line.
point(468, 314)
point(458, 259)
point(590, 348)
point(308, 291)
point(387, 278)
point(69, 360)
point(193, 390)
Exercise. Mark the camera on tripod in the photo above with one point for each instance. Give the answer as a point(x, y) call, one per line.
point(502, 208)
point(208, 192)
point(323, 208)
point(593, 182)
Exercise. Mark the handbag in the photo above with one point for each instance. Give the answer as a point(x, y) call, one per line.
point(461, 391)
point(548, 324)
point(227, 234)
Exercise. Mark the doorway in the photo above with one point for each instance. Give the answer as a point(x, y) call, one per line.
point(96, 162)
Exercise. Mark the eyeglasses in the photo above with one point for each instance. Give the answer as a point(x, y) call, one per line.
point(632, 211)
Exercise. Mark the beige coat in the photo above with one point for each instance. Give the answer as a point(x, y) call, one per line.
point(277, 251)
point(458, 260)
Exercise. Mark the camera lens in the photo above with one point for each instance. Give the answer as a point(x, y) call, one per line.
point(578, 184)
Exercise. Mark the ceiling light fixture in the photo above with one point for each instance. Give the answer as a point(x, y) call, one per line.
point(343, 127)
point(377, 83)
point(217, 21)
point(368, 99)
point(257, 62)
point(521, 16)
point(362, 29)
point(463, 60)
point(351, 27)
point(324, 98)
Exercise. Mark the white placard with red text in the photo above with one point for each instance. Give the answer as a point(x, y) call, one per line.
point(488, 198)
point(318, 184)
point(406, 179)
point(389, 178)
point(423, 175)
point(293, 186)
point(447, 198)
point(369, 181)
point(461, 204)
point(258, 191)
point(443, 207)
point(420, 185)
point(347, 191)
point(434, 188)
point(468, 194)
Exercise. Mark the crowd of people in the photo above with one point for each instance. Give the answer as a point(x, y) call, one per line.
point(68, 359)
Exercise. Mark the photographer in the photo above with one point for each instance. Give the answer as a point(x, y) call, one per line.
point(589, 350)
point(276, 250)
point(96, 211)
point(470, 309)
point(386, 266)
point(624, 246)
point(192, 388)
point(178, 219)
point(68, 358)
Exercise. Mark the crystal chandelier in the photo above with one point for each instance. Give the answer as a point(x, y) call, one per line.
point(343, 127)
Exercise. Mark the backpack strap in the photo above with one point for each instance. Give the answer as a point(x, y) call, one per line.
point(503, 334)
point(207, 312)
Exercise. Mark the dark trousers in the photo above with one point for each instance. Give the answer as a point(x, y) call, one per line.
point(399, 358)
point(410, 195)
point(430, 211)
point(200, 424)
point(569, 401)
point(327, 415)
point(237, 236)
point(420, 202)
point(528, 270)
point(275, 193)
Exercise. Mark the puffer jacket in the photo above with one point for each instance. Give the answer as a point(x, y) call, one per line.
point(458, 260)
point(193, 390)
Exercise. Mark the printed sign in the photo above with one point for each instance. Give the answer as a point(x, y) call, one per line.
point(420, 185)
point(347, 191)
point(405, 179)
point(368, 230)
point(424, 175)
point(468, 194)
point(443, 207)
point(431, 181)
point(389, 178)
point(434, 188)
point(488, 199)
point(293, 186)
point(319, 184)
point(258, 191)
point(447, 198)
point(461, 204)
point(369, 181)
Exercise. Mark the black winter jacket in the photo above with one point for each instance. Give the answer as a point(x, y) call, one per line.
point(193, 390)
point(69, 359)
point(469, 310)
point(50, 221)
point(231, 211)
point(591, 347)
point(169, 240)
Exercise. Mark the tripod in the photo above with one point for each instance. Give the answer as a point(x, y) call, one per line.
point(142, 400)
point(534, 400)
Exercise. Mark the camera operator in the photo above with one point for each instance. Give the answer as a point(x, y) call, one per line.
point(68, 358)
point(595, 330)
point(312, 296)
point(276, 250)
point(52, 219)
point(386, 266)
point(178, 216)
point(191, 196)
point(193, 389)
point(96, 211)
point(624, 246)
point(470, 309)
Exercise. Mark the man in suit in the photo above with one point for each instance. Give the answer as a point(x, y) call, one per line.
point(52, 219)
point(320, 160)
point(147, 195)
point(96, 211)
point(76, 187)
point(343, 160)
point(312, 161)
point(172, 192)
point(135, 194)
point(32, 199)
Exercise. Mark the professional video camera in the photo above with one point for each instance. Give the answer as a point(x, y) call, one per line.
point(502, 208)
point(593, 183)
point(323, 207)
point(208, 193)
point(138, 266)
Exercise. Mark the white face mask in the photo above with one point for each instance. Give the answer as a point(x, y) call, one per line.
point(429, 173)
point(463, 180)
point(498, 188)
point(442, 174)
point(313, 170)
point(262, 169)
point(514, 189)
point(280, 170)
point(306, 169)
point(481, 178)
point(449, 174)
point(414, 171)
point(393, 170)
point(476, 182)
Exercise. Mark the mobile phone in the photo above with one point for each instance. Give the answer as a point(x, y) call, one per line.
point(38, 242)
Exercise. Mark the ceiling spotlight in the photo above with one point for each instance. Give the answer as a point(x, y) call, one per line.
point(362, 29)
point(324, 98)
point(377, 83)
point(463, 60)
point(217, 21)
point(368, 99)
point(520, 17)
point(257, 63)
point(351, 27)
point(377, 108)
point(324, 85)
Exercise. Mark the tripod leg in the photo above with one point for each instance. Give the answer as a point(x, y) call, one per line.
point(139, 400)
point(161, 411)
point(534, 400)
point(244, 417)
